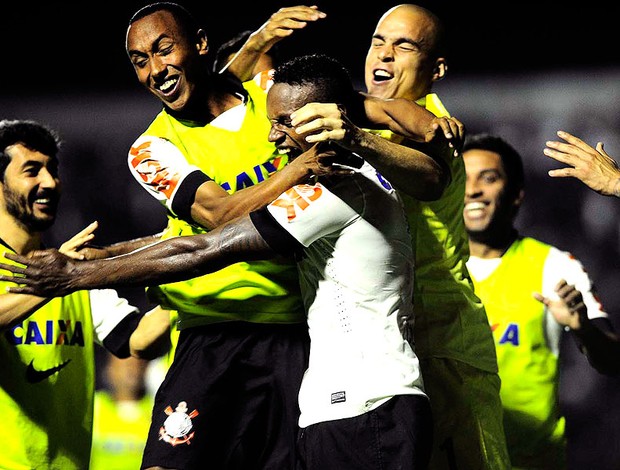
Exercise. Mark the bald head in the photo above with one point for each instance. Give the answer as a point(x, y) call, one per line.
point(406, 54)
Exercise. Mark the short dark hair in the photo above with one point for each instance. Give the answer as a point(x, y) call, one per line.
point(234, 44)
point(181, 14)
point(511, 159)
point(31, 134)
point(329, 77)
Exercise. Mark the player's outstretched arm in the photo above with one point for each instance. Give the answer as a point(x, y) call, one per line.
point(49, 273)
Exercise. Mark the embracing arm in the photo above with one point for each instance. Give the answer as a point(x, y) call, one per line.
point(50, 273)
point(423, 174)
point(213, 206)
point(163, 170)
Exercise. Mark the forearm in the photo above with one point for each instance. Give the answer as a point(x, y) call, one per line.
point(151, 339)
point(410, 170)
point(128, 246)
point(402, 116)
point(15, 308)
point(243, 63)
point(212, 212)
point(174, 259)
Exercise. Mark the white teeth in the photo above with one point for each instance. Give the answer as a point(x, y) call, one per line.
point(168, 84)
point(284, 151)
point(472, 206)
point(42, 201)
point(382, 74)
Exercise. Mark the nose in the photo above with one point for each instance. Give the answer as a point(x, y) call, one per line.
point(275, 133)
point(48, 180)
point(472, 188)
point(157, 66)
point(385, 53)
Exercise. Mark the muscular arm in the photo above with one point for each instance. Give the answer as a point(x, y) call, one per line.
point(213, 206)
point(422, 174)
point(49, 273)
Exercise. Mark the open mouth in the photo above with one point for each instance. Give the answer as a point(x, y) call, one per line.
point(381, 75)
point(475, 209)
point(167, 87)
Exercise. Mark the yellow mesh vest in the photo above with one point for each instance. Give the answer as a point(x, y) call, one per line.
point(450, 320)
point(529, 371)
point(258, 291)
point(47, 417)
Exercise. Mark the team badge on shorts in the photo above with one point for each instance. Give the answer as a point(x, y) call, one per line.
point(178, 424)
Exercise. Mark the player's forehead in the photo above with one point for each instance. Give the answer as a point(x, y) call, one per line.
point(283, 99)
point(404, 23)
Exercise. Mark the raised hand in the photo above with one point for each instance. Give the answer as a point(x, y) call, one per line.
point(594, 167)
point(74, 246)
point(569, 310)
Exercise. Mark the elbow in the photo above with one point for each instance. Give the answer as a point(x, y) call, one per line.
point(433, 187)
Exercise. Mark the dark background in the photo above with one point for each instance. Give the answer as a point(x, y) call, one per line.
point(521, 70)
point(59, 46)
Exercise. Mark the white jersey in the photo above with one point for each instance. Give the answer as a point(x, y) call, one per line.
point(558, 265)
point(356, 278)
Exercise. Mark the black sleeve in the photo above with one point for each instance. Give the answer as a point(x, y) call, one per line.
point(278, 239)
point(186, 193)
point(117, 341)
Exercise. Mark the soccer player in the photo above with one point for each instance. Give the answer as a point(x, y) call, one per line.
point(507, 268)
point(47, 345)
point(452, 333)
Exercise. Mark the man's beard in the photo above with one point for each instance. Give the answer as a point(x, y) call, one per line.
point(17, 206)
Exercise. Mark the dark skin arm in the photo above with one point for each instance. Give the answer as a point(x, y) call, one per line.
point(51, 274)
point(213, 206)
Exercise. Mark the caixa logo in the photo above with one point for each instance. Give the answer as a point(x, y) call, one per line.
point(509, 335)
point(57, 332)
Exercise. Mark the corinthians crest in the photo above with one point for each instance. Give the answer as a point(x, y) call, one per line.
point(176, 429)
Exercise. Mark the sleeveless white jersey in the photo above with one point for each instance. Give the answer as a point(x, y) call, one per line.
point(356, 277)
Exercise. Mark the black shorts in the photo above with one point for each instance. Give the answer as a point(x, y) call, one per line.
point(230, 399)
point(396, 435)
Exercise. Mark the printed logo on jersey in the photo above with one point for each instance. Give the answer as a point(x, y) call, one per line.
point(259, 172)
point(48, 332)
point(339, 397)
point(509, 335)
point(298, 198)
point(385, 183)
point(35, 376)
point(151, 171)
point(177, 426)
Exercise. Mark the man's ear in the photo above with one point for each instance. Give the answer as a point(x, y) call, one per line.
point(519, 199)
point(202, 44)
point(440, 70)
